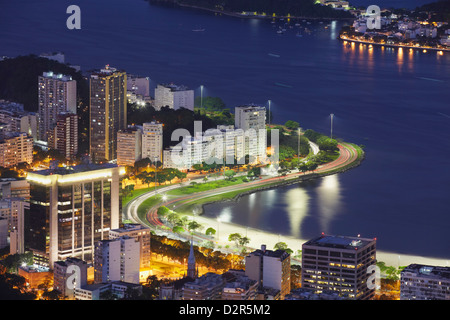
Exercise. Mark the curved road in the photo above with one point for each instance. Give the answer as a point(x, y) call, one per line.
point(347, 155)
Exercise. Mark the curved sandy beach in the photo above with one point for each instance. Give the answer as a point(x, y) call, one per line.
point(259, 237)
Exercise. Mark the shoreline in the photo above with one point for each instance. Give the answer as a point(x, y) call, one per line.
point(266, 17)
point(391, 45)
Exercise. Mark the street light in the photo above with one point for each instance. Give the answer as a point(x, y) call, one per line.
point(156, 170)
point(331, 135)
point(218, 228)
point(201, 97)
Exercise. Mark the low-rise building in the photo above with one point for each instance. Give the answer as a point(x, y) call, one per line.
point(61, 275)
point(35, 275)
point(207, 287)
point(240, 288)
point(109, 290)
point(425, 282)
point(271, 269)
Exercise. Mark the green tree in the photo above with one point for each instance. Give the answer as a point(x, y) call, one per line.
point(235, 237)
point(282, 246)
point(193, 225)
point(210, 231)
point(292, 125)
point(229, 174)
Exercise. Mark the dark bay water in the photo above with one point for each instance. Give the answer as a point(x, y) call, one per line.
point(395, 103)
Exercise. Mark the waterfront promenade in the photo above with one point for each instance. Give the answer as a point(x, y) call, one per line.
point(366, 42)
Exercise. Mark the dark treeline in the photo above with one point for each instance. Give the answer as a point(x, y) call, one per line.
point(297, 8)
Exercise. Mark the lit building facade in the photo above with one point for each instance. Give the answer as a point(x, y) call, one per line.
point(129, 146)
point(71, 209)
point(108, 112)
point(57, 93)
point(141, 234)
point(252, 120)
point(64, 136)
point(117, 260)
point(16, 148)
point(152, 141)
point(339, 264)
point(174, 97)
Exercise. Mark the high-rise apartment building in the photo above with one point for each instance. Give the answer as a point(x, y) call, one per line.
point(108, 112)
point(64, 136)
point(272, 269)
point(340, 264)
point(117, 260)
point(71, 208)
point(252, 120)
point(174, 97)
point(152, 141)
point(57, 93)
point(425, 282)
point(129, 146)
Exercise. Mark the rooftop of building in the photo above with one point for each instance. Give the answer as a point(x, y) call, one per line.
point(56, 76)
point(106, 71)
point(270, 253)
point(11, 107)
point(339, 242)
point(75, 169)
point(34, 268)
point(130, 227)
point(70, 260)
point(427, 270)
point(208, 279)
point(177, 284)
point(174, 87)
point(251, 107)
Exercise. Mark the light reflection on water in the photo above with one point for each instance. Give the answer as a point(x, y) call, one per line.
point(329, 201)
point(286, 210)
point(297, 205)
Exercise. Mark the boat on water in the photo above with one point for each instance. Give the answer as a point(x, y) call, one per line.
point(282, 85)
point(198, 30)
point(274, 55)
point(299, 35)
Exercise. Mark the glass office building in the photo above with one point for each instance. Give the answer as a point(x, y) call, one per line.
point(71, 209)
